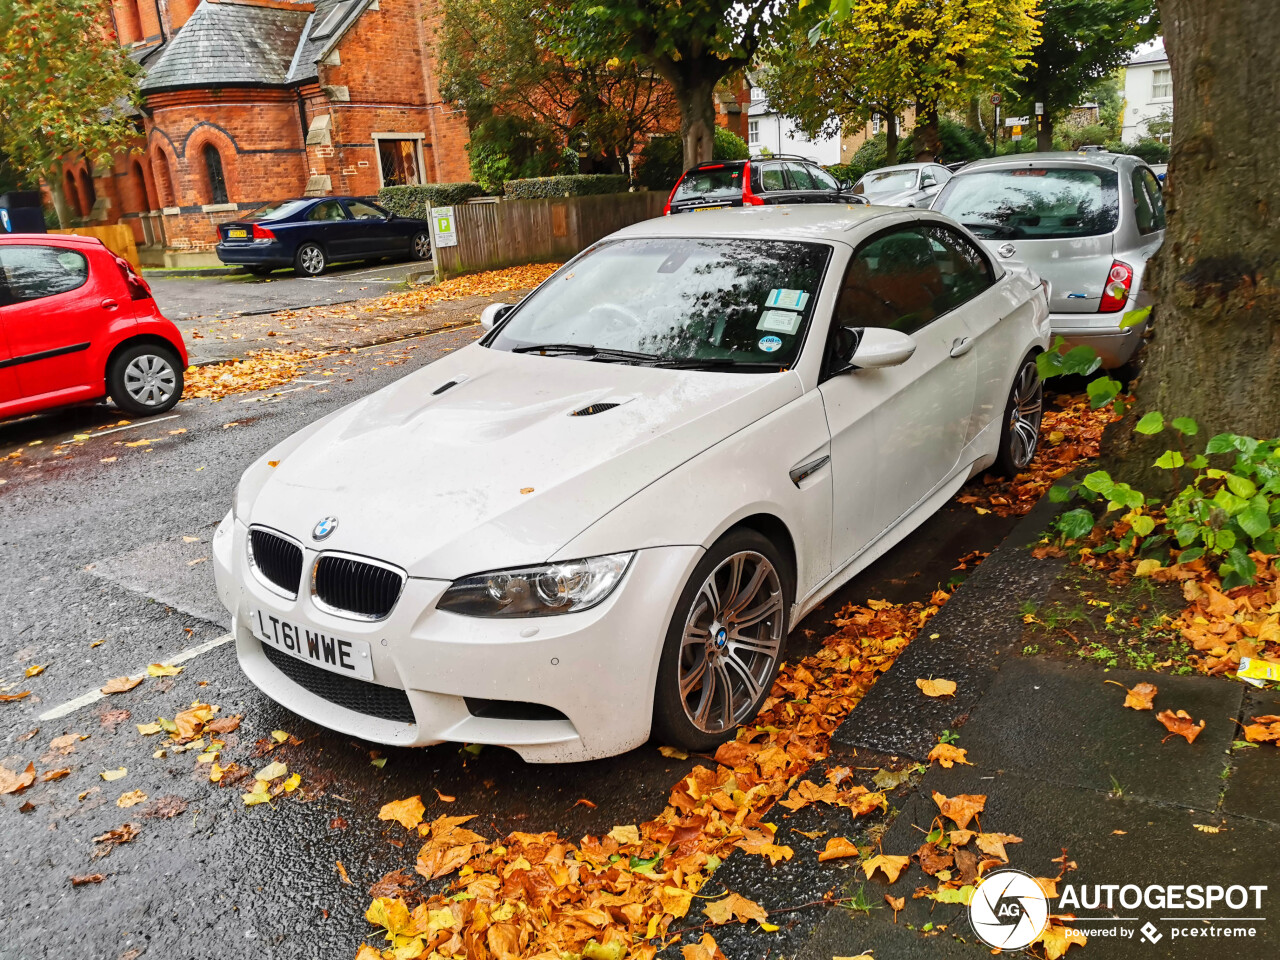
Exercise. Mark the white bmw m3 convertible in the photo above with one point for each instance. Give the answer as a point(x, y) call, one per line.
point(600, 520)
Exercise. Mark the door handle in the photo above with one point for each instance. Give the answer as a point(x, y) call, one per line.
point(961, 345)
point(803, 471)
point(109, 304)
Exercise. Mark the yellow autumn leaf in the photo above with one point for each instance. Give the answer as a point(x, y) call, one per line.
point(163, 670)
point(292, 784)
point(115, 774)
point(675, 900)
point(148, 729)
point(888, 865)
point(261, 793)
point(407, 813)
point(279, 736)
point(734, 907)
point(626, 835)
point(936, 688)
point(130, 799)
point(272, 771)
point(34, 670)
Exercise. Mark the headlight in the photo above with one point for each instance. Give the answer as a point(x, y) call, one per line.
point(539, 591)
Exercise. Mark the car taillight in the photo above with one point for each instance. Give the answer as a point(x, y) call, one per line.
point(1116, 292)
point(139, 289)
point(748, 195)
point(262, 233)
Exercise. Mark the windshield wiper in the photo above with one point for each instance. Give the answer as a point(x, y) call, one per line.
point(586, 350)
point(997, 229)
point(716, 363)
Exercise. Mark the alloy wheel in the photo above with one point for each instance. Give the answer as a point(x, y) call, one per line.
point(422, 246)
point(731, 640)
point(150, 379)
point(1026, 406)
point(312, 260)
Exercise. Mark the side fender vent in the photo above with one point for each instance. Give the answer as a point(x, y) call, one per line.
point(591, 409)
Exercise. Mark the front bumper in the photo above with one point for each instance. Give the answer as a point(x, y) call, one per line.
point(1102, 332)
point(597, 668)
point(258, 253)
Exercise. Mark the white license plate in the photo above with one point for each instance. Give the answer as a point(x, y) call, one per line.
point(237, 234)
point(350, 657)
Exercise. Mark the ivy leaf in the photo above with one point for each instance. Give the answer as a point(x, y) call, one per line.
point(1170, 460)
point(1102, 391)
point(1151, 423)
point(1099, 481)
point(1186, 426)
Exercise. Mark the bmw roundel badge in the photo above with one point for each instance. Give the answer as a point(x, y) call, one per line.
point(324, 528)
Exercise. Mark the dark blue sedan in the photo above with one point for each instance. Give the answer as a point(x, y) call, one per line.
point(310, 234)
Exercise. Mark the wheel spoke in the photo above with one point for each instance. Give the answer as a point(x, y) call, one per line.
point(759, 613)
point(702, 715)
point(768, 646)
point(736, 564)
point(724, 690)
point(751, 687)
point(690, 680)
point(750, 591)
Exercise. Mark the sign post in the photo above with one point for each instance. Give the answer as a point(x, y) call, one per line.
point(996, 100)
point(444, 233)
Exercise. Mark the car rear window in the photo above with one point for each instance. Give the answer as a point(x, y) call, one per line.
point(1033, 203)
point(278, 211)
point(710, 183)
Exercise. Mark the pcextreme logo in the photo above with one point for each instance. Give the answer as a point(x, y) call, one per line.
point(1008, 910)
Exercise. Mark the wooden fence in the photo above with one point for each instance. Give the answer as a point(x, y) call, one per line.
point(514, 232)
point(118, 238)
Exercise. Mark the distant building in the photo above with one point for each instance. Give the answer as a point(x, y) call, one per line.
point(1148, 96)
point(769, 133)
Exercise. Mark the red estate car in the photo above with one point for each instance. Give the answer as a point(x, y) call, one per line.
point(77, 324)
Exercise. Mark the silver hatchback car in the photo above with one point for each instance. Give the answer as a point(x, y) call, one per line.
point(1086, 222)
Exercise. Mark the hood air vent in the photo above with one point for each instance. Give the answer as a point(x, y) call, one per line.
point(591, 409)
point(448, 385)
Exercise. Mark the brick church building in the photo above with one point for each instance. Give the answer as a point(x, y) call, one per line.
point(246, 102)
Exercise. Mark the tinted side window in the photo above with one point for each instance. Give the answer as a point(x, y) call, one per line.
point(892, 281)
point(964, 271)
point(771, 177)
point(35, 272)
point(329, 210)
point(800, 179)
point(822, 180)
point(1156, 193)
point(365, 211)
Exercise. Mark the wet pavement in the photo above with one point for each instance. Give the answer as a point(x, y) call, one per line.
point(104, 571)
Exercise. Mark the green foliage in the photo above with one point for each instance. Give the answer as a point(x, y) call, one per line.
point(418, 201)
point(1150, 150)
point(68, 87)
point(662, 159)
point(576, 185)
point(509, 147)
point(958, 143)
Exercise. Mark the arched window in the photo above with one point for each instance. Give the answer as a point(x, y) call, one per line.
point(87, 189)
point(213, 169)
point(164, 182)
point(142, 198)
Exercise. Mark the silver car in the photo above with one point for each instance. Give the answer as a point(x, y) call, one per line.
point(904, 185)
point(1086, 222)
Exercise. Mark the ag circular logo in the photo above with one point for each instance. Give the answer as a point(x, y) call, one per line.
point(324, 528)
point(1008, 910)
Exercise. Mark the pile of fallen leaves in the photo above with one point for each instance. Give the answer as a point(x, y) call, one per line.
point(257, 370)
point(535, 895)
point(1069, 436)
point(485, 284)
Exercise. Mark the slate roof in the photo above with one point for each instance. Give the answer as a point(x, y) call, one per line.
point(1151, 56)
point(225, 44)
point(313, 48)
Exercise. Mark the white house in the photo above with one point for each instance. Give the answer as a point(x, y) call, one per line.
point(1148, 93)
point(768, 132)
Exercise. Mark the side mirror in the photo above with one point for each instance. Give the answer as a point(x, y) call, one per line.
point(881, 347)
point(491, 314)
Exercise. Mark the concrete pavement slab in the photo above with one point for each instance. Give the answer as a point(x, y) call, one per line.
point(1252, 790)
point(1066, 724)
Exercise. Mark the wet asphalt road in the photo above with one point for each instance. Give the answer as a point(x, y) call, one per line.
point(93, 551)
point(238, 294)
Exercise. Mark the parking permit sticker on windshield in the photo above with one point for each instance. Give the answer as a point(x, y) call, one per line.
point(779, 321)
point(787, 299)
point(770, 344)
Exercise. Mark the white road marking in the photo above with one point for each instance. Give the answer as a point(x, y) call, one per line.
point(128, 426)
point(94, 695)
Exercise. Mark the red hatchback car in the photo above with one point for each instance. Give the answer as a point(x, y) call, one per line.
point(78, 324)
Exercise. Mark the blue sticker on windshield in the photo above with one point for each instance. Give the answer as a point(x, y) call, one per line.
point(770, 344)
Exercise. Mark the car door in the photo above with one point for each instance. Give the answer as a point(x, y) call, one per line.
point(56, 308)
point(329, 224)
point(804, 188)
point(373, 229)
point(990, 309)
point(896, 432)
point(8, 377)
point(827, 186)
point(772, 184)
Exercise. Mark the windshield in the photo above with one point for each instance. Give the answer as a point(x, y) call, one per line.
point(886, 181)
point(727, 301)
point(714, 183)
point(1033, 203)
point(278, 211)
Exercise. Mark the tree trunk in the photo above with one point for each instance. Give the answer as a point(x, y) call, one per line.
point(1215, 348)
point(1044, 136)
point(891, 140)
point(697, 120)
point(53, 177)
point(929, 146)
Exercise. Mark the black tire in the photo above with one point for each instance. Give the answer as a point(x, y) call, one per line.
point(145, 379)
point(259, 271)
point(676, 716)
point(420, 246)
point(1020, 428)
point(310, 260)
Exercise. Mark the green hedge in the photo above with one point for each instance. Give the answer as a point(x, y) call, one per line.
point(418, 201)
point(572, 185)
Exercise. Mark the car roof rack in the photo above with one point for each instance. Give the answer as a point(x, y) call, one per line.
point(772, 156)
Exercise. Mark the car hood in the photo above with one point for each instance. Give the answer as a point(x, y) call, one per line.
point(497, 470)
